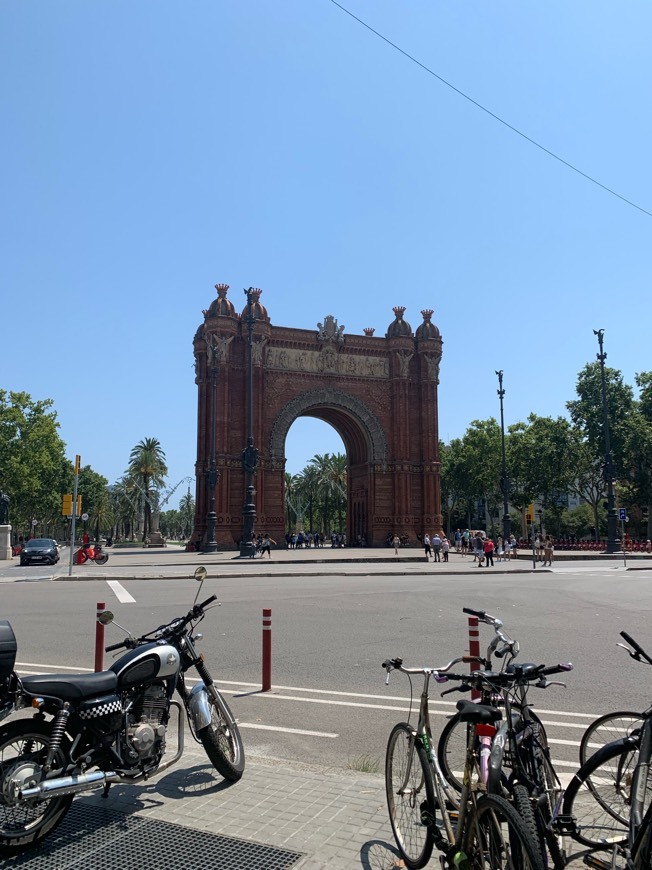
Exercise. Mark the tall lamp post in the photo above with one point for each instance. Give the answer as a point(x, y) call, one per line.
point(212, 474)
point(249, 454)
point(504, 482)
point(613, 542)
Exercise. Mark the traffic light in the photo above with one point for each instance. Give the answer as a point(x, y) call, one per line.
point(66, 508)
point(528, 518)
point(79, 509)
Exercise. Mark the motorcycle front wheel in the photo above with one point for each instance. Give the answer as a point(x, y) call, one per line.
point(222, 741)
point(24, 747)
point(102, 559)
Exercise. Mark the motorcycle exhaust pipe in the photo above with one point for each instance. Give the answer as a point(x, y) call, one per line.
point(68, 785)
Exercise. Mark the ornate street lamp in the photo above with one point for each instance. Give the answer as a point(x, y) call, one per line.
point(613, 542)
point(504, 482)
point(249, 454)
point(212, 474)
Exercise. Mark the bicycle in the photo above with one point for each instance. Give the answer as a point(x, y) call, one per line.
point(519, 759)
point(617, 778)
point(471, 830)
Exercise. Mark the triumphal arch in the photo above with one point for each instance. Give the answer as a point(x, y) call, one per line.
point(378, 393)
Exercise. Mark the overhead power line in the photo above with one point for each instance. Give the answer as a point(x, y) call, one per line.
point(489, 112)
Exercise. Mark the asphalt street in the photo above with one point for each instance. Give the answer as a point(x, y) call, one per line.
point(333, 625)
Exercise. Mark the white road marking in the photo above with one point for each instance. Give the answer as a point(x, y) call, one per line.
point(258, 726)
point(120, 592)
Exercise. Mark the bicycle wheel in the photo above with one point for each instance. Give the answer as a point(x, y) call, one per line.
point(410, 795)
point(547, 797)
point(495, 836)
point(598, 797)
point(605, 730)
point(451, 751)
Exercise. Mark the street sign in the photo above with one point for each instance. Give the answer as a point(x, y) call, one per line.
point(84, 517)
point(35, 522)
point(622, 514)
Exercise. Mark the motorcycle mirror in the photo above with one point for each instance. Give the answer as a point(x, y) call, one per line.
point(105, 617)
point(199, 575)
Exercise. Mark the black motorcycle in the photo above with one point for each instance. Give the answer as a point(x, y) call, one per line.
point(91, 730)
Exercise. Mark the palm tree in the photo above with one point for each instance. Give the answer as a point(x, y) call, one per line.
point(102, 516)
point(147, 465)
point(322, 467)
point(337, 480)
point(126, 505)
point(187, 513)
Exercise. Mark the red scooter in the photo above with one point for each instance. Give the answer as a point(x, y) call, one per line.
point(93, 552)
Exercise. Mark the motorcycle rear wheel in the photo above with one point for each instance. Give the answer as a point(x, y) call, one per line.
point(222, 741)
point(24, 746)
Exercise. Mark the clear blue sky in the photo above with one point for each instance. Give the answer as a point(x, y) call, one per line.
point(153, 149)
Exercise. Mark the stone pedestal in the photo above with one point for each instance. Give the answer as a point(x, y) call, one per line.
point(5, 542)
point(156, 539)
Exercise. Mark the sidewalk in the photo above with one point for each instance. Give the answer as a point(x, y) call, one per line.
point(170, 561)
point(280, 816)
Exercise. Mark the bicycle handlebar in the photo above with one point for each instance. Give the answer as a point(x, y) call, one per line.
point(638, 649)
point(397, 665)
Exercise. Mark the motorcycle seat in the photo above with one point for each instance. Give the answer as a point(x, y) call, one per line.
point(71, 687)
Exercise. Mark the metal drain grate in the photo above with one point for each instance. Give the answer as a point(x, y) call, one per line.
point(106, 840)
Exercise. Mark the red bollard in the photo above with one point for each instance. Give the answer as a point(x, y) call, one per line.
point(99, 639)
point(474, 650)
point(267, 649)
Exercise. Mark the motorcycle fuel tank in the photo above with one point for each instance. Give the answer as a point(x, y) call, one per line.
point(146, 663)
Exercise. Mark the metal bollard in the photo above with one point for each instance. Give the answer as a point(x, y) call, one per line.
point(267, 649)
point(474, 650)
point(99, 639)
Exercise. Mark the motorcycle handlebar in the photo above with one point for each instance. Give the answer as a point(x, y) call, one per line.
point(181, 622)
point(115, 646)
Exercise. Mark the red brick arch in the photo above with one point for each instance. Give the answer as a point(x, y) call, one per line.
point(379, 394)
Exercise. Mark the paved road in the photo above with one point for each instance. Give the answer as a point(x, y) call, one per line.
point(329, 703)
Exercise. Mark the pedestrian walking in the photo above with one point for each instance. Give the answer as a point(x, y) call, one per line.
point(266, 546)
point(478, 550)
point(500, 549)
point(396, 542)
point(548, 551)
point(426, 546)
point(445, 548)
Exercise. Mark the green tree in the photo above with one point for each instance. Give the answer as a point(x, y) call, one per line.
point(587, 412)
point(32, 459)
point(147, 466)
point(482, 452)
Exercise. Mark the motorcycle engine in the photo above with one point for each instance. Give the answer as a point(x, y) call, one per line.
point(145, 734)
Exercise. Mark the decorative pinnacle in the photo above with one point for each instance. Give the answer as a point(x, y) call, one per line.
point(369, 330)
point(399, 311)
point(255, 293)
point(221, 289)
point(427, 314)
